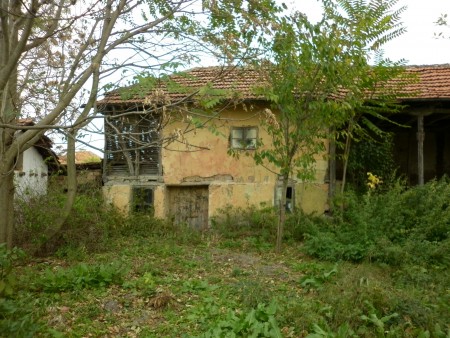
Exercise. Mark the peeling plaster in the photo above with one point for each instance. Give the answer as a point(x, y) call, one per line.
point(218, 177)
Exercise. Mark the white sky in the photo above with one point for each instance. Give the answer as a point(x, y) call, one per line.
point(417, 46)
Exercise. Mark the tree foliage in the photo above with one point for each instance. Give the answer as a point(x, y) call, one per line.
point(319, 76)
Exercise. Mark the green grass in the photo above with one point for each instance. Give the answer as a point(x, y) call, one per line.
point(387, 273)
point(183, 284)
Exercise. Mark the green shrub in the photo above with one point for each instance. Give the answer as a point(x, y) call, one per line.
point(397, 227)
point(16, 320)
point(7, 260)
point(373, 155)
point(300, 225)
point(90, 224)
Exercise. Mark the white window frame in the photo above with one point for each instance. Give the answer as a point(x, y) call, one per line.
point(243, 141)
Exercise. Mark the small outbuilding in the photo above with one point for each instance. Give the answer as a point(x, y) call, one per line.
point(33, 167)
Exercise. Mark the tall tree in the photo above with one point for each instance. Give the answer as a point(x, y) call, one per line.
point(54, 55)
point(318, 76)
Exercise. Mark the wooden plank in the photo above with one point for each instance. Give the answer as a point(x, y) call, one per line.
point(420, 139)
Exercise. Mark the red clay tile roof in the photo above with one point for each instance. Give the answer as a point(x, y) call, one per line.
point(433, 83)
point(235, 80)
point(81, 157)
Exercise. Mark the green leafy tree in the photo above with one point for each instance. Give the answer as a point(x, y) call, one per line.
point(55, 55)
point(318, 75)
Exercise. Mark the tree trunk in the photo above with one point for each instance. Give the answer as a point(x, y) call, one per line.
point(282, 214)
point(348, 143)
point(71, 188)
point(332, 172)
point(9, 106)
point(7, 208)
point(6, 188)
point(7, 114)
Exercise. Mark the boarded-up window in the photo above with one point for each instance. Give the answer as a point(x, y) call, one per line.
point(132, 144)
point(143, 200)
point(243, 137)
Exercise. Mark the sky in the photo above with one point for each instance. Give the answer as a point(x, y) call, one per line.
point(418, 46)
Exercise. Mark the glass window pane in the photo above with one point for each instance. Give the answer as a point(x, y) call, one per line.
point(236, 143)
point(251, 143)
point(251, 133)
point(237, 133)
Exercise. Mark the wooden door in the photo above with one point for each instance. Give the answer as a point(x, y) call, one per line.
point(189, 205)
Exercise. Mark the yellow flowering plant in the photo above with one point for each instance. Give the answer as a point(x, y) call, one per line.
point(373, 181)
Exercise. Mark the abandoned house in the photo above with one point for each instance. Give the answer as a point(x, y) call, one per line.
point(166, 163)
point(33, 166)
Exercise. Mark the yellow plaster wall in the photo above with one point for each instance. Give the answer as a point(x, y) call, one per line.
point(119, 196)
point(312, 197)
point(160, 201)
point(239, 195)
point(321, 170)
point(208, 156)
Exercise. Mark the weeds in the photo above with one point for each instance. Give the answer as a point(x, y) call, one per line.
point(234, 223)
point(89, 226)
point(258, 322)
point(79, 277)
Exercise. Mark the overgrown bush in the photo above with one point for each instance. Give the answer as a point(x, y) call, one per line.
point(89, 225)
point(373, 155)
point(396, 227)
point(144, 225)
point(236, 222)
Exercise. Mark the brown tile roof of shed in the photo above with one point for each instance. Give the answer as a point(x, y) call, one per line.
point(82, 157)
point(433, 83)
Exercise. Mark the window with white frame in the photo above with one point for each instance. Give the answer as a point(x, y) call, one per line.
point(243, 137)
